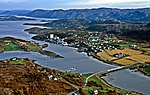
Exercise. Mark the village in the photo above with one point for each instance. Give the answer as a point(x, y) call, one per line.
point(105, 47)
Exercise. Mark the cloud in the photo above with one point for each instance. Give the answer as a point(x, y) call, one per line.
point(106, 2)
point(72, 4)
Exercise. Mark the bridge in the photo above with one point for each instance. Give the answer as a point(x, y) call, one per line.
point(108, 71)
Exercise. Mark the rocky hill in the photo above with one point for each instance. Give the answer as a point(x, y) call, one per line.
point(24, 77)
point(142, 14)
point(14, 12)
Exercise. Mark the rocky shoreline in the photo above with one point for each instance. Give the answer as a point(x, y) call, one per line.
point(13, 44)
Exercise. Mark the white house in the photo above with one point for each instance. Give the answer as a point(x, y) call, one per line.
point(51, 36)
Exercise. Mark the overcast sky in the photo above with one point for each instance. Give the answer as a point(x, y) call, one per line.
point(71, 4)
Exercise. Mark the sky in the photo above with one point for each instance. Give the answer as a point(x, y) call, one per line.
point(71, 4)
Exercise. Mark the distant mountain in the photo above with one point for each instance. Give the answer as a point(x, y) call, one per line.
point(142, 14)
point(75, 23)
point(14, 18)
point(15, 12)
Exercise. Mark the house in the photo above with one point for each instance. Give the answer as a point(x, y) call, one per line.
point(14, 59)
point(50, 77)
point(55, 78)
point(51, 36)
point(95, 92)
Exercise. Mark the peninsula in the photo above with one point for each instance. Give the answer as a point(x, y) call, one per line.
point(13, 44)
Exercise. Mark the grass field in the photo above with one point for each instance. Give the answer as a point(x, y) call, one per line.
point(106, 88)
point(124, 51)
point(16, 61)
point(134, 56)
point(33, 47)
point(19, 62)
point(105, 56)
point(140, 58)
point(98, 81)
point(146, 51)
point(125, 44)
point(124, 61)
point(9, 46)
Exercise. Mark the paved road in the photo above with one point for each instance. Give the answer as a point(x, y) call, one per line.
point(71, 93)
point(101, 73)
point(108, 71)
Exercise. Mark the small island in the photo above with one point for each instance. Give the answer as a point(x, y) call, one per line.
point(13, 44)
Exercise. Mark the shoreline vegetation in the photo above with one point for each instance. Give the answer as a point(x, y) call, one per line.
point(139, 68)
point(122, 53)
point(13, 44)
point(93, 54)
point(30, 78)
point(71, 80)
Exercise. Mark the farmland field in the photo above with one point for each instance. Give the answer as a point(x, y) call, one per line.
point(133, 56)
point(125, 51)
point(124, 61)
point(105, 56)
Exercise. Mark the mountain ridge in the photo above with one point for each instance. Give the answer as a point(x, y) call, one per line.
point(140, 14)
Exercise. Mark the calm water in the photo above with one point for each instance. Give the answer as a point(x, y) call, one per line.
point(84, 64)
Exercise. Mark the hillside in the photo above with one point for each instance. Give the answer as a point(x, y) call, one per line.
point(100, 13)
point(14, 12)
point(14, 18)
point(142, 14)
point(24, 77)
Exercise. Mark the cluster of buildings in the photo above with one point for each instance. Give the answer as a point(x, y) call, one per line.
point(120, 55)
point(49, 74)
point(93, 41)
point(54, 39)
point(98, 42)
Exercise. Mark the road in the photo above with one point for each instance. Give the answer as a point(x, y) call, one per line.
point(101, 73)
point(71, 93)
point(108, 71)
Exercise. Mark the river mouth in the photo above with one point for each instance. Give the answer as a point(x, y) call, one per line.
point(83, 63)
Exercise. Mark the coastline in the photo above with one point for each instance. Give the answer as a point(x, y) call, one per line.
point(105, 62)
point(15, 44)
point(113, 63)
point(108, 63)
point(98, 59)
point(103, 81)
point(106, 83)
